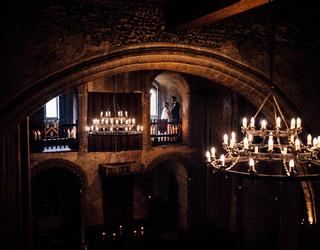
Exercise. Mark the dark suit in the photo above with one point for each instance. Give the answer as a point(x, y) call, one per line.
point(175, 112)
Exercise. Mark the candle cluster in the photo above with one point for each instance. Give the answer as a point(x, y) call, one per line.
point(264, 144)
point(118, 123)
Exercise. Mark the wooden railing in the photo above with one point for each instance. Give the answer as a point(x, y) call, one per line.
point(164, 132)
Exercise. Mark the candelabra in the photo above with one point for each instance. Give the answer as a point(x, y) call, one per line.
point(117, 122)
point(267, 145)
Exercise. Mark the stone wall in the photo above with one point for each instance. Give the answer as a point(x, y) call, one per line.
point(53, 37)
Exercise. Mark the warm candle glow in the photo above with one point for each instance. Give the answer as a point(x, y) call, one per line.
point(263, 124)
point(225, 139)
point(256, 150)
point(298, 122)
point(285, 151)
point(278, 122)
point(291, 165)
point(309, 139)
point(270, 142)
point(222, 159)
point(252, 122)
point(213, 152)
point(208, 156)
point(293, 124)
point(244, 122)
point(233, 135)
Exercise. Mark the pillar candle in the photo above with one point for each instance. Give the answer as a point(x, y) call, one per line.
point(225, 139)
point(213, 152)
point(278, 122)
point(293, 124)
point(244, 122)
point(298, 122)
point(222, 159)
point(208, 156)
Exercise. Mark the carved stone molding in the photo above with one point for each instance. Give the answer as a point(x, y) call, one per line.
point(62, 164)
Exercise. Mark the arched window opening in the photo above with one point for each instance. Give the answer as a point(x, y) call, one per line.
point(154, 96)
point(52, 109)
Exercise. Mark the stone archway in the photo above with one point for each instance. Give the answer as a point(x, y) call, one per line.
point(190, 59)
point(61, 163)
point(58, 198)
point(172, 169)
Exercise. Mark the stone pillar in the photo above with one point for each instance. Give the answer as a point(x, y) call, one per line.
point(185, 118)
point(82, 117)
point(146, 144)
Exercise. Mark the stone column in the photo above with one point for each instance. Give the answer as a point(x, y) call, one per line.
point(185, 118)
point(82, 117)
point(146, 144)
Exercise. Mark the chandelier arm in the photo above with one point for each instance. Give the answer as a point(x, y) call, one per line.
point(234, 162)
point(280, 111)
point(110, 106)
point(285, 167)
point(262, 105)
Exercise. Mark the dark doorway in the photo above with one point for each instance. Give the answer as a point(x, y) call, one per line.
point(164, 203)
point(56, 210)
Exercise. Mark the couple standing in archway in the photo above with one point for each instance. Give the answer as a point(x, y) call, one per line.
point(174, 113)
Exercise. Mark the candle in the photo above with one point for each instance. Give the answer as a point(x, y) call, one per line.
point(252, 122)
point(133, 121)
point(245, 143)
point(291, 165)
point(225, 139)
point(251, 164)
point(213, 152)
point(278, 122)
point(141, 128)
point(138, 128)
point(222, 159)
point(298, 122)
point(285, 151)
point(270, 142)
point(232, 141)
point(315, 142)
point(208, 156)
point(293, 124)
point(233, 136)
point(106, 113)
point(297, 144)
point(126, 113)
point(250, 137)
point(101, 113)
point(263, 124)
point(318, 142)
point(309, 139)
point(244, 122)
point(256, 150)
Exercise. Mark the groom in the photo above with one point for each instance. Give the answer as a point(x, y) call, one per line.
point(175, 111)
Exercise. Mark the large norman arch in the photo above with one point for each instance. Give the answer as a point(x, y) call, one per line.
point(199, 61)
